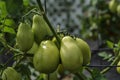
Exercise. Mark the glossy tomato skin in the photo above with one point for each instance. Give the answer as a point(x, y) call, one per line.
point(10, 74)
point(46, 59)
point(71, 55)
point(25, 37)
point(86, 52)
point(40, 28)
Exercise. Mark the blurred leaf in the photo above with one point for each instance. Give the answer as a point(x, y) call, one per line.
point(14, 7)
point(8, 30)
point(9, 22)
point(3, 11)
point(26, 2)
point(2, 39)
point(97, 75)
point(105, 56)
point(110, 44)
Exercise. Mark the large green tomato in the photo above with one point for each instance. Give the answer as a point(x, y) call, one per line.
point(40, 28)
point(85, 50)
point(10, 74)
point(46, 59)
point(113, 6)
point(118, 68)
point(71, 55)
point(25, 37)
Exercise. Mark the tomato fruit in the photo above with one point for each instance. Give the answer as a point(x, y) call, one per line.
point(118, 68)
point(71, 55)
point(34, 48)
point(25, 37)
point(113, 5)
point(40, 28)
point(60, 69)
point(85, 50)
point(46, 59)
point(10, 74)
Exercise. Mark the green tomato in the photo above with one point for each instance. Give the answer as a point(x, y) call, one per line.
point(52, 76)
point(118, 68)
point(113, 6)
point(40, 28)
point(118, 10)
point(60, 69)
point(71, 55)
point(10, 74)
point(46, 59)
point(25, 37)
point(85, 50)
point(34, 48)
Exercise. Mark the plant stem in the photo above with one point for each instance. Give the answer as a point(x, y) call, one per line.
point(81, 76)
point(11, 59)
point(90, 71)
point(113, 63)
point(49, 24)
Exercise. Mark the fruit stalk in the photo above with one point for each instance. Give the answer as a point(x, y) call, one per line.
point(47, 21)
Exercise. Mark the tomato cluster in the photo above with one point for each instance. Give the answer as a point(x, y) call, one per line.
point(72, 54)
point(114, 6)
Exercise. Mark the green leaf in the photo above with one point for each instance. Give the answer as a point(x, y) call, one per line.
point(97, 75)
point(9, 22)
point(26, 2)
point(105, 56)
point(8, 30)
point(3, 11)
point(110, 44)
point(2, 40)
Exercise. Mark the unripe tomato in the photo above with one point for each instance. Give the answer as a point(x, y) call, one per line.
point(113, 5)
point(118, 9)
point(25, 37)
point(60, 69)
point(10, 74)
point(85, 50)
point(46, 59)
point(34, 48)
point(40, 28)
point(118, 68)
point(52, 76)
point(71, 55)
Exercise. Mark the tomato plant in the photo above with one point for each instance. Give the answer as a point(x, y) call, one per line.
point(39, 52)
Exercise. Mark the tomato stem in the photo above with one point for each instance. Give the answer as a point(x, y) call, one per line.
point(113, 63)
point(48, 22)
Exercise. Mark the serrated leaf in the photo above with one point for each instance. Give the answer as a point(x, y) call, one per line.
point(105, 55)
point(110, 44)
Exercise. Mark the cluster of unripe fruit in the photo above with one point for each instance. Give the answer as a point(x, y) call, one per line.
point(71, 52)
point(114, 6)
